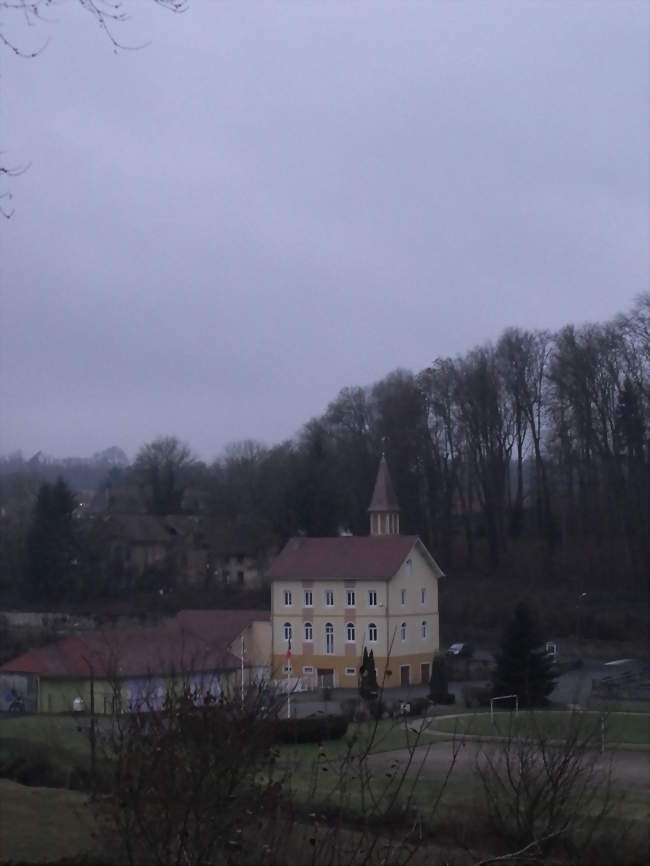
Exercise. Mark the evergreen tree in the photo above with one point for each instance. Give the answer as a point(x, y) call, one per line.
point(438, 684)
point(523, 668)
point(372, 673)
point(51, 545)
point(368, 687)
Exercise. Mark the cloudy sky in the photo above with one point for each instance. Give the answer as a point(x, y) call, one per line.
point(271, 201)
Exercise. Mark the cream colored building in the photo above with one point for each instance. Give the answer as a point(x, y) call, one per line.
point(331, 597)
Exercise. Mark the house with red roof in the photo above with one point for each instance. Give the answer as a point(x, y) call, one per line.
point(209, 650)
point(334, 597)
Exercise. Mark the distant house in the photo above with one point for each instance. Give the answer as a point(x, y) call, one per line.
point(333, 597)
point(135, 667)
point(137, 543)
point(237, 569)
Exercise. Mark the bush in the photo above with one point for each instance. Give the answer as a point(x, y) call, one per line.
point(314, 729)
point(542, 792)
point(419, 706)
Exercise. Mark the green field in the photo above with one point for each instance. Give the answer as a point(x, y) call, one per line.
point(50, 823)
point(69, 733)
point(371, 737)
point(620, 728)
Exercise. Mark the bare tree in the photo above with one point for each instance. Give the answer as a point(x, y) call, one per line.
point(22, 26)
point(164, 466)
point(540, 790)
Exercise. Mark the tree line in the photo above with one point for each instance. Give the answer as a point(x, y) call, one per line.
point(528, 457)
point(542, 438)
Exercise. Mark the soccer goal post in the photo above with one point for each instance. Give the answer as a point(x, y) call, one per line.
point(503, 698)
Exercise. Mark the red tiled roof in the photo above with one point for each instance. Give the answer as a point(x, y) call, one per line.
point(192, 641)
point(347, 557)
point(383, 497)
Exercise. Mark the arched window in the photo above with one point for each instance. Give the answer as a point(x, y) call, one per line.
point(287, 631)
point(309, 632)
point(424, 629)
point(372, 632)
point(350, 632)
point(403, 631)
point(329, 639)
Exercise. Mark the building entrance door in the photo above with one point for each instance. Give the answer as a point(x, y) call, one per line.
point(326, 678)
point(424, 673)
point(405, 675)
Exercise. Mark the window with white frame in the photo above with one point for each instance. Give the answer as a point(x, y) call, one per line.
point(350, 598)
point(309, 598)
point(372, 632)
point(350, 632)
point(402, 631)
point(403, 597)
point(423, 595)
point(309, 632)
point(287, 668)
point(329, 639)
point(287, 631)
point(372, 598)
point(329, 598)
point(350, 672)
point(424, 629)
point(308, 669)
point(288, 598)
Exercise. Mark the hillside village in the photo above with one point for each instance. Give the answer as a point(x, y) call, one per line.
point(331, 599)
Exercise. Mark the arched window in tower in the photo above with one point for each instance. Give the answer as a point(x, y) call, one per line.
point(350, 632)
point(403, 631)
point(287, 631)
point(372, 632)
point(309, 632)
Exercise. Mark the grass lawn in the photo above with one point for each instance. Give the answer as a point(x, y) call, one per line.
point(69, 733)
point(374, 737)
point(43, 824)
point(631, 729)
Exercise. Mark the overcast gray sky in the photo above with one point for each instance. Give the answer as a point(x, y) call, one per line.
point(274, 200)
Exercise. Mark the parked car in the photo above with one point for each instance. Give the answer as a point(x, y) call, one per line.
point(461, 650)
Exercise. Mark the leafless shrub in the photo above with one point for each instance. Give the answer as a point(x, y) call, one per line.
point(541, 792)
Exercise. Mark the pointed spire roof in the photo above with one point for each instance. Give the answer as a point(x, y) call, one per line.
point(383, 497)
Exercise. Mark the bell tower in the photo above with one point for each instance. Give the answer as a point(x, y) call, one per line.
point(384, 508)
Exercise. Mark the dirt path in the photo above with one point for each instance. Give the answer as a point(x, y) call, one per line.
point(629, 768)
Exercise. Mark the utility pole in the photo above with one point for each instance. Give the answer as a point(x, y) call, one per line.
point(93, 741)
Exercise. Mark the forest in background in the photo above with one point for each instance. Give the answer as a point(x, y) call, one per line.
point(523, 464)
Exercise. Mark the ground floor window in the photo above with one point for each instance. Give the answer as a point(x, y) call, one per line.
point(350, 672)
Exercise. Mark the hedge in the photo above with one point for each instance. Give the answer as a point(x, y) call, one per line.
point(313, 729)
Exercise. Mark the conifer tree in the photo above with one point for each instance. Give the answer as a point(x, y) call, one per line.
point(51, 544)
point(523, 668)
point(438, 684)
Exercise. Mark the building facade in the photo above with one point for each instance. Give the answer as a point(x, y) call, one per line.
point(135, 668)
point(333, 597)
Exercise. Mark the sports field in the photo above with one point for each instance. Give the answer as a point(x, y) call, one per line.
point(631, 729)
